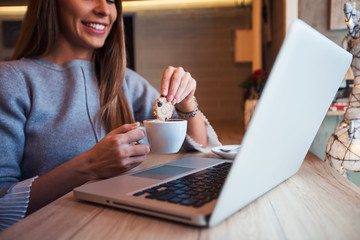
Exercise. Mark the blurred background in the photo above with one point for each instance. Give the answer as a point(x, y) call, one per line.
point(221, 42)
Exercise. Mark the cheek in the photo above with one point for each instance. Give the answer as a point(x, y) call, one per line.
point(68, 19)
point(113, 14)
point(113, 23)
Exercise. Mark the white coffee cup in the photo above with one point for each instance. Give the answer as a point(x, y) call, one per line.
point(164, 136)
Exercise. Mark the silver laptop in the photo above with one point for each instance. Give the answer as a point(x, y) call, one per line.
point(302, 84)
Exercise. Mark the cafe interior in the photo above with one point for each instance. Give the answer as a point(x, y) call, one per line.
point(222, 43)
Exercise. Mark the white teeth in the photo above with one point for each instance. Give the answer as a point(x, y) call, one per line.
point(96, 26)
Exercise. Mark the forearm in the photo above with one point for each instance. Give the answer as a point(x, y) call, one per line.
point(57, 182)
point(196, 126)
point(113, 155)
point(197, 129)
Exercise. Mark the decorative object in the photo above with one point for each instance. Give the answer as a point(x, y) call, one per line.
point(249, 109)
point(343, 146)
point(336, 21)
point(254, 85)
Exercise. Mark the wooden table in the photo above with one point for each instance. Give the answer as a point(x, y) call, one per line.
point(316, 203)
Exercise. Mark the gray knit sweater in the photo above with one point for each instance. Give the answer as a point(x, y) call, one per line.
point(47, 118)
point(47, 114)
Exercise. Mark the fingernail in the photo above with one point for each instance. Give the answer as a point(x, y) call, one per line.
point(173, 102)
point(164, 92)
point(170, 98)
point(135, 124)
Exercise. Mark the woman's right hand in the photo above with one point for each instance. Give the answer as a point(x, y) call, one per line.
point(116, 153)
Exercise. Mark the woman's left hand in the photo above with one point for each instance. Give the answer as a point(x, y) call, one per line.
point(179, 88)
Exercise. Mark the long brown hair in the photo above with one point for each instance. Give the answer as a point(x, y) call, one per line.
point(39, 32)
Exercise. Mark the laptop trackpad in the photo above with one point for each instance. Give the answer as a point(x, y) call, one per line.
point(162, 172)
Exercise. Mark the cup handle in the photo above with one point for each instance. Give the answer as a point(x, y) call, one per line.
point(144, 140)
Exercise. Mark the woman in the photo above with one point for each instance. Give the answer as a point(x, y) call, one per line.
point(68, 106)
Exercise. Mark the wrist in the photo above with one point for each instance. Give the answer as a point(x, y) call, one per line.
point(83, 169)
point(189, 110)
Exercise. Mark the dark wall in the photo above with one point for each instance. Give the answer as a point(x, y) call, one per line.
point(13, 2)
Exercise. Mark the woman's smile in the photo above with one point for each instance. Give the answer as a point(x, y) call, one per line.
point(98, 28)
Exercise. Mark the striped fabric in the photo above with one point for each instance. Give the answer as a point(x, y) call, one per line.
point(14, 203)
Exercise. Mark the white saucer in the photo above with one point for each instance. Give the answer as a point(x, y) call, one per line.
point(233, 150)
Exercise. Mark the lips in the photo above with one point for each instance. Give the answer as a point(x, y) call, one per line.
point(95, 26)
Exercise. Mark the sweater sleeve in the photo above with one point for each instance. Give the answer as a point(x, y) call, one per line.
point(213, 141)
point(141, 96)
point(13, 205)
point(14, 107)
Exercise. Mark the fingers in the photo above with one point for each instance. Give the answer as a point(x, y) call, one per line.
point(132, 150)
point(115, 158)
point(165, 81)
point(182, 88)
point(130, 137)
point(175, 81)
point(186, 88)
point(120, 166)
point(116, 152)
point(124, 128)
point(129, 157)
point(177, 84)
point(123, 137)
point(170, 82)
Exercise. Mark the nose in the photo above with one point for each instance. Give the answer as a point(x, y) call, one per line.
point(102, 8)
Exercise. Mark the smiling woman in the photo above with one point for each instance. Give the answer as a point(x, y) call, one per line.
point(63, 37)
point(69, 105)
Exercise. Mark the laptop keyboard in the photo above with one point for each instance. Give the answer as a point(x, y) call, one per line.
point(194, 190)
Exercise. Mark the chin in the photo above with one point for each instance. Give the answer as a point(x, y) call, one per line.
point(96, 46)
point(95, 43)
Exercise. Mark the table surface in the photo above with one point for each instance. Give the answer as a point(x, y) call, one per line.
point(316, 203)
